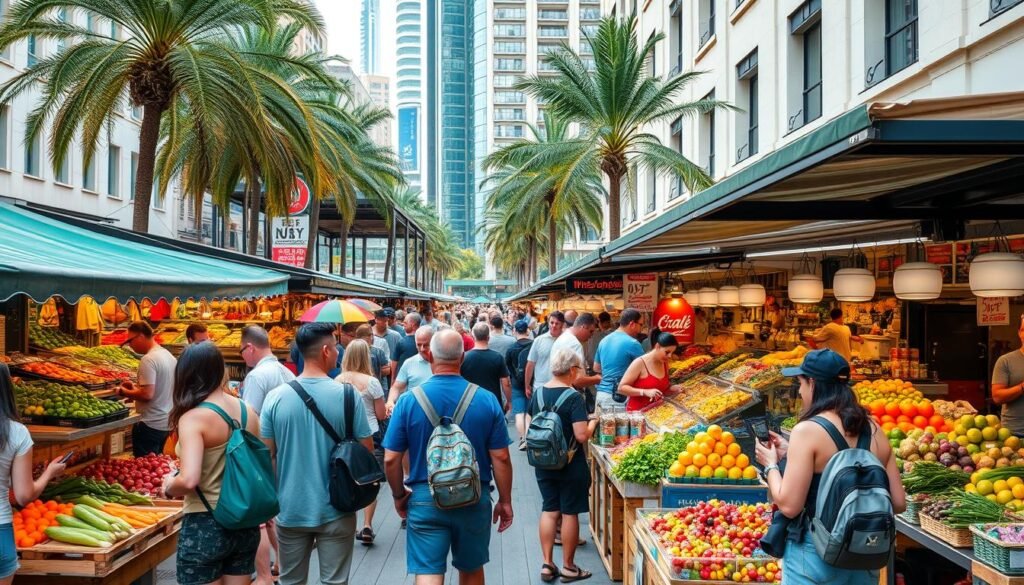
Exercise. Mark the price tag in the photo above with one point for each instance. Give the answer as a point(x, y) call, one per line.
point(1016, 559)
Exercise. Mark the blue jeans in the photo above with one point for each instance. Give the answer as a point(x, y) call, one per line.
point(432, 533)
point(801, 565)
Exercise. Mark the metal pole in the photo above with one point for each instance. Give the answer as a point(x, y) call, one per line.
point(364, 257)
point(405, 240)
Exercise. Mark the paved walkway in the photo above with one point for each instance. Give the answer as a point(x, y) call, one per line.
point(515, 554)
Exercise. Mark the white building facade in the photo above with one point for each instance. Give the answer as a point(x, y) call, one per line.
point(789, 66)
point(511, 38)
point(105, 187)
point(411, 90)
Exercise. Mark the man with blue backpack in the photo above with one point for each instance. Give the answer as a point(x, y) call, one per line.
point(457, 441)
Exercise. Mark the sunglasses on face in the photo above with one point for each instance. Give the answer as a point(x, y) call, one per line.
point(129, 340)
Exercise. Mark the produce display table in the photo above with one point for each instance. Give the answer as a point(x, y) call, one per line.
point(643, 565)
point(50, 434)
point(963, 557)
point(613, 506)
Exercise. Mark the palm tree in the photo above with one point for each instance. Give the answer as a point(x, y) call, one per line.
point(443, 256)
point(174, 51)
point(562, 172)
point(616, 103)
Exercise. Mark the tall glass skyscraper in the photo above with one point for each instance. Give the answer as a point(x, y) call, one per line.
point(410, 93)
point(369, 37)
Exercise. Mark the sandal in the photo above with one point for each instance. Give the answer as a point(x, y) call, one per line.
point(580, 575)
point(551, 575)
point(274, 572)
point(366, 536)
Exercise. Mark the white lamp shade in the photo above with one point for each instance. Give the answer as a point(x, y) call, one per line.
point(729, 296)
point(854, 285)
point(752, 295)
point(806, 288)
point(917, 281)
point(692, 297)
point(708, 297)
point(998, 274)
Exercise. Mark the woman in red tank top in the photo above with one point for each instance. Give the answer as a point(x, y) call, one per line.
point(646, 379)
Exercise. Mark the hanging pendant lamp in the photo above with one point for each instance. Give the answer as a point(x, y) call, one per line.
point(805, 287)
point(708, 297)
point(692, 297)
point(997, 274)
point(854, 285)
point(917, 281)
point(752, 295)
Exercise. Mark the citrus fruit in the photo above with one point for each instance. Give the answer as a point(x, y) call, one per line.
point(984, 487)
point(974, 435)
point(1004, 497)
point(1018, 491)
point(706, 448)
point(701, 437)
point(1014, 481)
point(715, 432)
point(989, 433)
point(735, 473)
point(980, 421)
point(992, 419)
point(728, 461)
point(700, 460)
point(677, 469)
point(685, 458)
point(742, 461)
point(707, 471)
point(735, 450)
point(692, 471)
point(722, 473)
point(692, 447)
point(999, 485)
point(925, 408)
point(967, 421)
point(750, 473)
point(721, 448)
point(714, 460)
point(728, 438)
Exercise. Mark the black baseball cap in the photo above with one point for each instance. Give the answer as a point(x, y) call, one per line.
point(821, 364)
point(389, 312)
point(380, 314)
point(521, 326)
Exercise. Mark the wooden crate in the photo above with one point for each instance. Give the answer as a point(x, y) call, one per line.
point(613, 506)
point(57, 558)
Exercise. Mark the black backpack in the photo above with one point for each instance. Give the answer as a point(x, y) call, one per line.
point(515, 361)
point(355, 475)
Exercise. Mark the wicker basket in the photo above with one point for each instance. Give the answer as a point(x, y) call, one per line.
point(955, 537)
point(995, 553)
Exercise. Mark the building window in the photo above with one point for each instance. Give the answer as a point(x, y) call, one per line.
point(708, 135)
point(805, 28)
point(89, 175)
point(676, 188)
point(5, 124)
point(32, 161)
point(114, 171)
point(133, 172)
point(746, 127)
point(504, 80)
point(64, 172)
point(33, 57)
point(675, 34)
point(554, 31)
point(652, 59)
point(4, 6)
point(652, 190)
point(1000, 6)
point(158, 197)
point(509, 65)
point(900, 35)
point(707, 21)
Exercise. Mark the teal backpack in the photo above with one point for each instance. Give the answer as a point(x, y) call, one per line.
point(248, 495)
point(546, 446)
point(452, 471)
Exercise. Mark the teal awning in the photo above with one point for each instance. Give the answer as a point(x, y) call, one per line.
point(41, 256)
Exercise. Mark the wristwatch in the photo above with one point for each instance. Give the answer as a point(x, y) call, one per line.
point(768, 469)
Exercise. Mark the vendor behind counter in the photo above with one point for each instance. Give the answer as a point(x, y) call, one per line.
point(1008, 386)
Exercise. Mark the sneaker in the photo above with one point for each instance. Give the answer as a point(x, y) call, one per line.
point(366, 536)
point(522, 444)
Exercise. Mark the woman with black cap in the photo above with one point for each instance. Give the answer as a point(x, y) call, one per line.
point(830, 414)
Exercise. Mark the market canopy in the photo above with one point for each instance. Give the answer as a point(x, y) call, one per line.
point(41, 256)
point(879, 171)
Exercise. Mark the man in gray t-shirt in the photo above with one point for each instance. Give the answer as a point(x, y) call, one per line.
point(154, 394)
point(1008, 386)
point(538, 365)
point(498, 341)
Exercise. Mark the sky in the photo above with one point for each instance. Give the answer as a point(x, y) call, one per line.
point(342, 17)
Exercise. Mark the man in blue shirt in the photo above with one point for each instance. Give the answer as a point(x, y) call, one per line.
point(345, 334)
point(406, 347)
point(301, 448)
point(466, 531)
point(614, 354)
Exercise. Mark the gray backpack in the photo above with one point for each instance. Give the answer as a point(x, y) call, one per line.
point(452, 471)
point(853, 525)
point(546, 447)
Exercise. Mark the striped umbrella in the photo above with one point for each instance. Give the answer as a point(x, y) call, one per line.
point(366, 305)
point(335, 311)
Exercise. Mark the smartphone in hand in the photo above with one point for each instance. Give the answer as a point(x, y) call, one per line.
point(67, 456)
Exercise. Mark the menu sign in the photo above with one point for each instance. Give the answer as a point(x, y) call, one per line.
point(675, 316)
point(993, 311)
point(607, 285)
point(290, 234)
point(641, 291)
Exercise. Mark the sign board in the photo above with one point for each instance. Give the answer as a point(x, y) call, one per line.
point(605, 285)
point(675, 316)
point(300, 198)
point(993, 311)
point(289, 236)
point(408, 138)
point(641, 291)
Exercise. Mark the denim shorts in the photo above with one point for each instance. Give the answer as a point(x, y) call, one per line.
point(207, 551)
point(801, 565)
point(8, 552)
point(519, 401)
point(432, 533)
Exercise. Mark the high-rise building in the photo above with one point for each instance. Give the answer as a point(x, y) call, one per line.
point(379, 88)
point(512, 37)
point(450, 113)
point(792, 67)
point(369, 37)
point(411, 92)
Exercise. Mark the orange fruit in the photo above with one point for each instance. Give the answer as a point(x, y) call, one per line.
point(742, 461)
point(937, 421)
point(908, 409)
point(692, 448)
point(721, 448)
point(920, 421)
point(887, 419)
point(728, 438)
point(750, 473)
point(735, 473)
point(715, 432)
point(715, 460)
point(735, 449)
point(878, 407)
point(925, 408)
point(904, 419)
point(700, 460)
point(685, 458)
point(728, 461)
point(893, 409)
point(706, 448)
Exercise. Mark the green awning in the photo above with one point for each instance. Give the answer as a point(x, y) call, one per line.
point(41, 256)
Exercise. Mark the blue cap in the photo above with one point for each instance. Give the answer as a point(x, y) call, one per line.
point(821, 364)
point(521, 326)
point(389, 312)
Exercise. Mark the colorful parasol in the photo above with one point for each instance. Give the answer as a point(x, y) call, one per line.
point(366, 305)
point(336, 311)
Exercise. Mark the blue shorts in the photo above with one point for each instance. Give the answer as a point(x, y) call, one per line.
point(519, 401)
point(801, 565)
point(8, 552)
point(431, 533)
